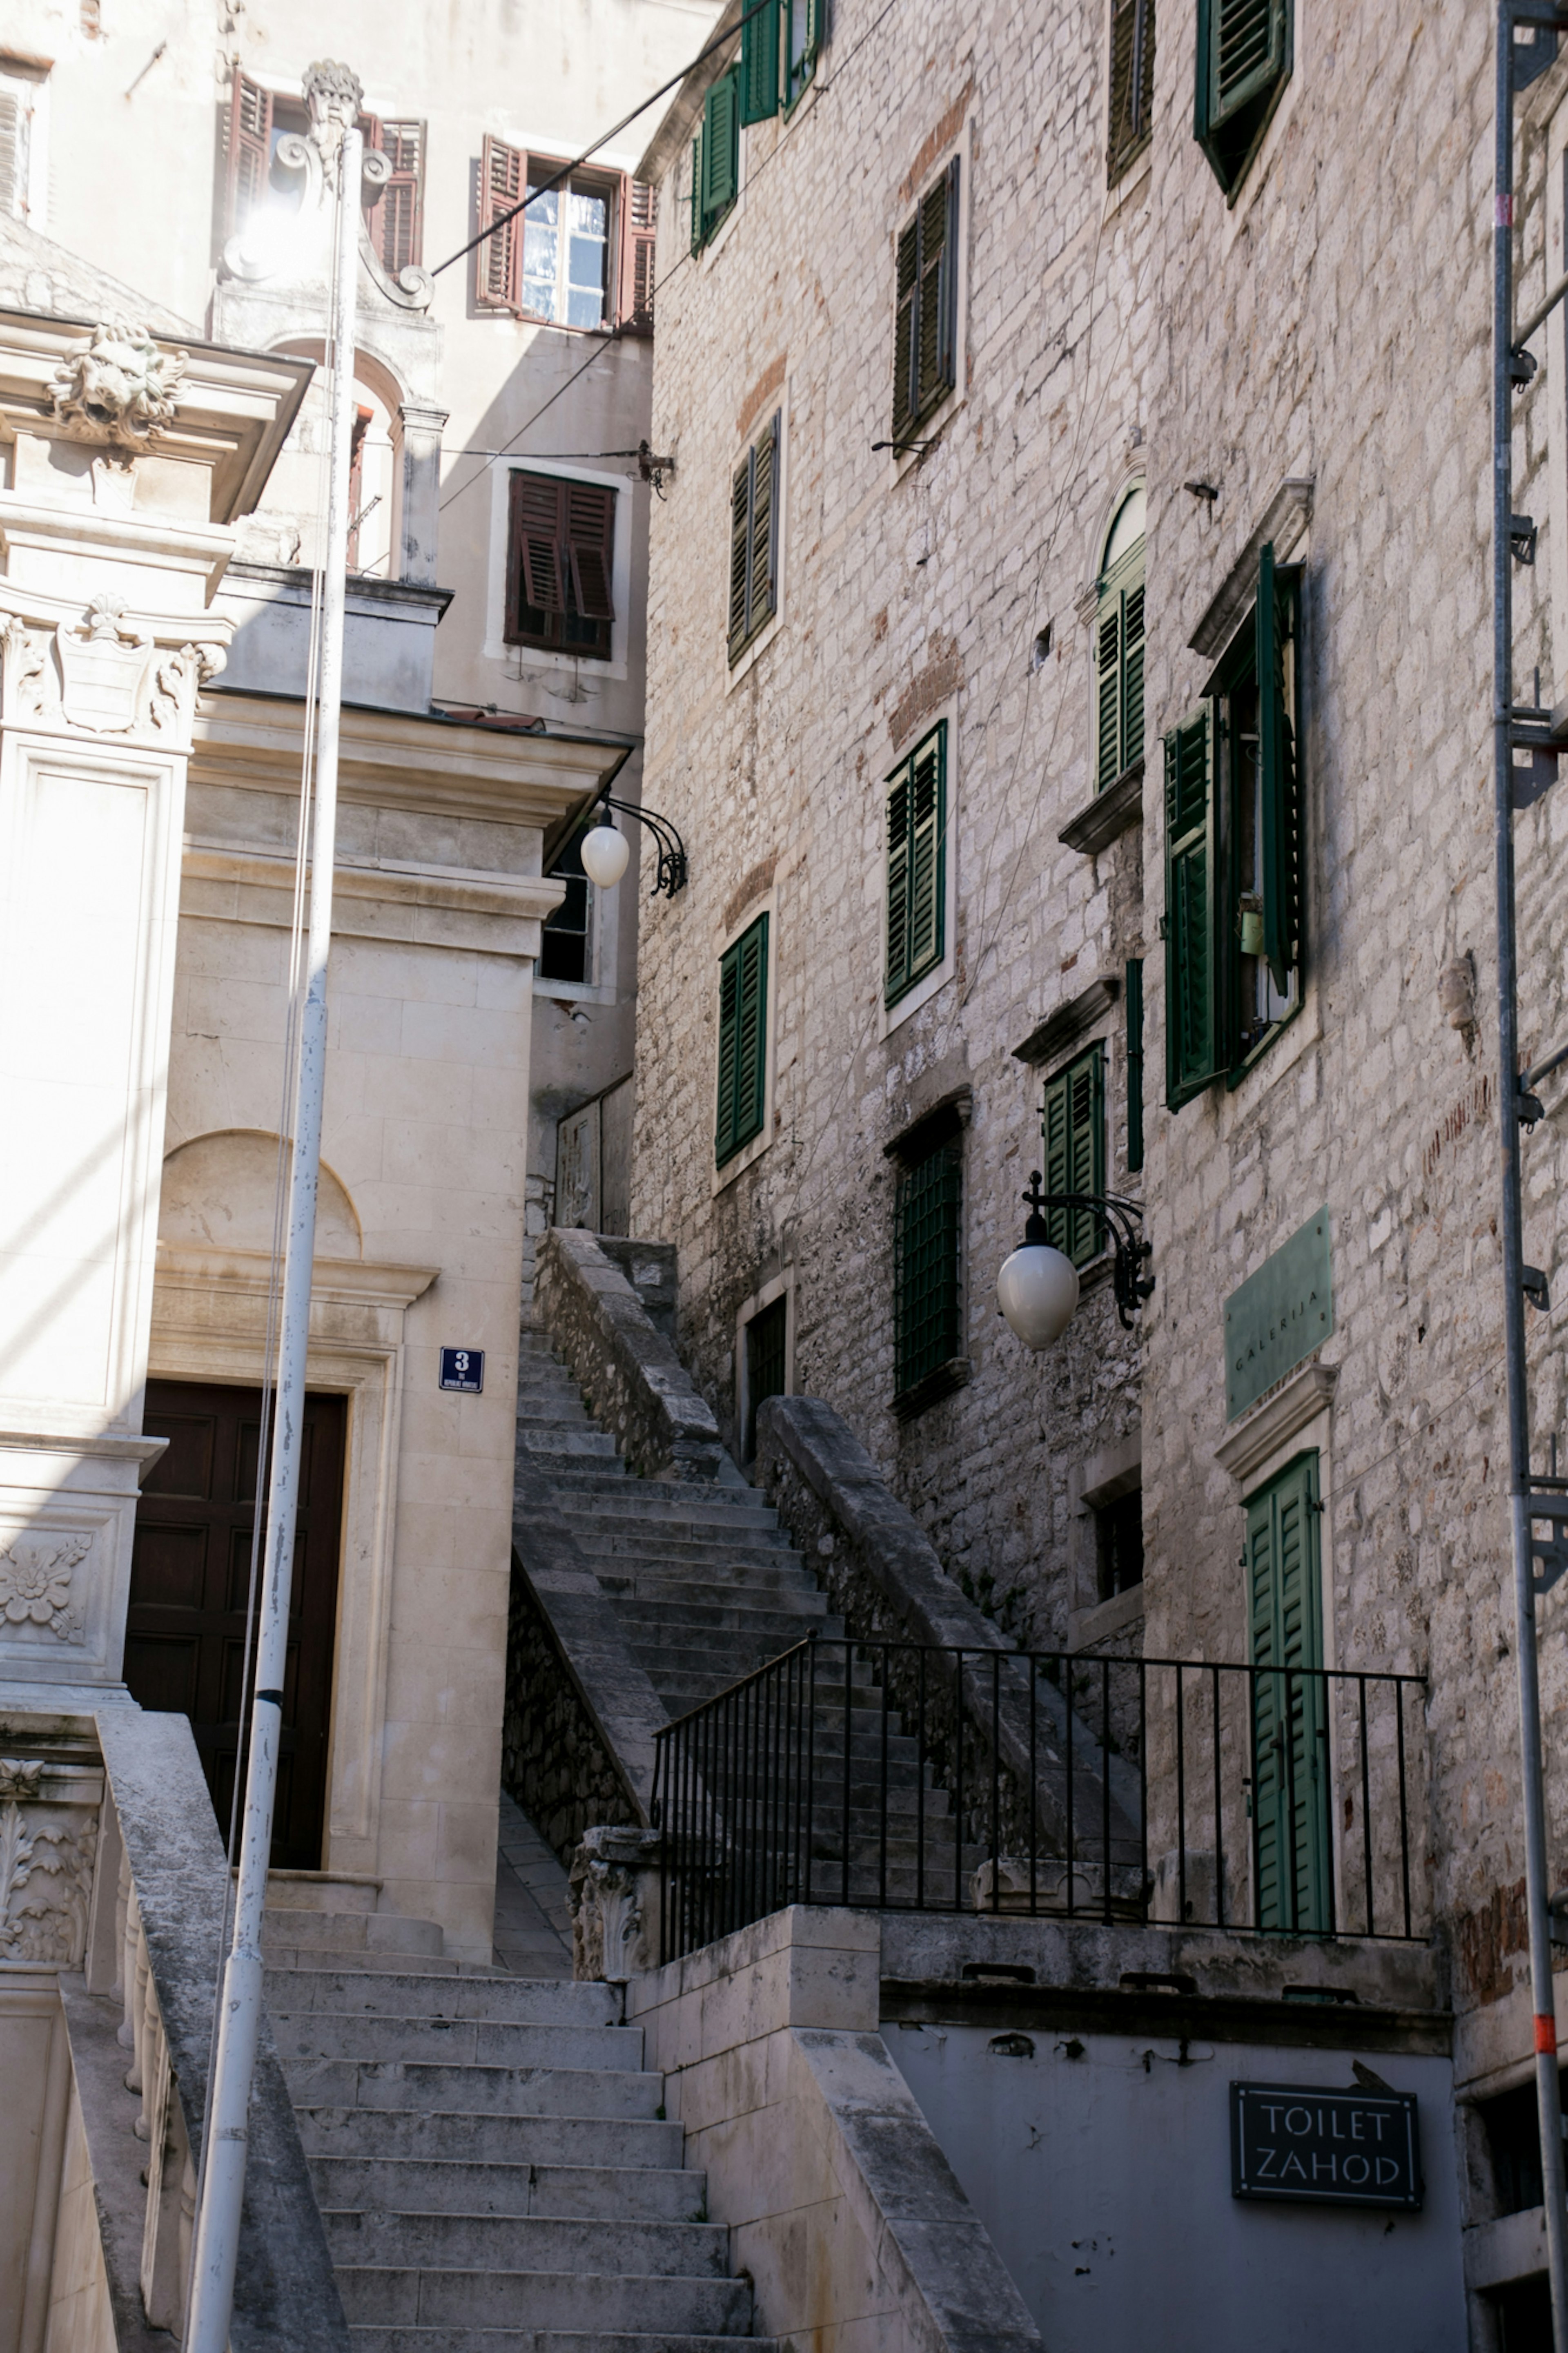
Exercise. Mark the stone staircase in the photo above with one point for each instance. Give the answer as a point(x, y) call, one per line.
point(707, 1589)
point(491, 2159)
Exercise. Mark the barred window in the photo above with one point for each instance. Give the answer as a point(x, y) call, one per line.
point(927, 1282)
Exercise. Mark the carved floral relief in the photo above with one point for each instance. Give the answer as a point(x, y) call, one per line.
point(46, 1869)
point(36, 1574)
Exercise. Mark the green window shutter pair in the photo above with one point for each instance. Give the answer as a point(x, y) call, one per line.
point(1131, 83)
point(743, 1042)
point(1119, 670)
point(1292, 1851)
point(916, 865)
point(754, 541)
point(926, 318)
point(927, 1291)
point(1134, 1001)
point(1243, 63)
point(716, 158)
point(1198, 905)
point(778, 56)
point(1073, 1124)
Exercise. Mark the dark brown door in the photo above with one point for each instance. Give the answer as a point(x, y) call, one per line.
point(190, 1578)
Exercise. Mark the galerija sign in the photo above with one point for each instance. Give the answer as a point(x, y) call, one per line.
point(1333, 2148)
point(1279, 1315)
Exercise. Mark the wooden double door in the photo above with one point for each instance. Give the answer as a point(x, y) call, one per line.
point(190, 1582)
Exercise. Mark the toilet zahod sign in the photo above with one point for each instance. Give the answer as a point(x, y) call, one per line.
point(1331, 2148)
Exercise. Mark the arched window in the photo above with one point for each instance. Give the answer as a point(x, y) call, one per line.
point(1119, 645)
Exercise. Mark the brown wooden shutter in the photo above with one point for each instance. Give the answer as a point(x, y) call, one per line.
point(498, 263)
point(397, 219)
point(638, 208)
point(591, 541)
point(537, 500)
point(249, 142)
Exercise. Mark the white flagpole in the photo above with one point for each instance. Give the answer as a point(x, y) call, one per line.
point(223, 2183)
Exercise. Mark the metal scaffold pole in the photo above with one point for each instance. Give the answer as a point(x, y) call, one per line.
point(1505, 375)
point(217, 2235)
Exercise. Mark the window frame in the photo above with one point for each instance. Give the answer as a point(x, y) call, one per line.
point(568, 867)
point(707, 221)
point(29, 86)
point(767, 71)
point(1123, 584)
point(1075, 1160)
point(1271, 634)
point(907, 426)
point(612, 187)
point(1129, 85)
point(1231, 129)
point(904, 778)
point(776, 1292)
point(754, 625)
point(521, 661)
point(569, 571)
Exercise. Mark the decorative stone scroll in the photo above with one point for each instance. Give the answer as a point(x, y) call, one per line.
point(613, 1895)
point(48, 1836)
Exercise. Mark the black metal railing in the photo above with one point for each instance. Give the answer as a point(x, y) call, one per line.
point(902, 1777)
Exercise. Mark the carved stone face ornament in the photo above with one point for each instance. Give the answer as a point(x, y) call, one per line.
point(334, 94)
point(118, 389)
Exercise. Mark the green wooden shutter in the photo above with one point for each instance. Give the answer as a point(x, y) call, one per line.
point(1191, 1023)
point(928, 1232)
point(1118, 652)
point(743, 1042)
point(721, 150)
point(763, 596)
point(1292, 1856)
point(905, 362)
point(740, 554)
point(916, 865)
point(1277, 604)
point(1108, 694)
point(1073, 1128)
point(760, 64)
point(697, 194)
point(1132, 673)
point(939, 253)
point(1133, 1002)
point(1246, 53)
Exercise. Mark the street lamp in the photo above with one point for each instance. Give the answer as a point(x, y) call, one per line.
point(1037, 1286)
point(604, 849)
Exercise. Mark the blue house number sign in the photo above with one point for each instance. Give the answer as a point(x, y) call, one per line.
point(463, 1369)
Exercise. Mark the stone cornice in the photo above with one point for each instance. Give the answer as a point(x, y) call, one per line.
point(530, 897)
point(1296, 1402)
point(394, 760)
point(334, 1281)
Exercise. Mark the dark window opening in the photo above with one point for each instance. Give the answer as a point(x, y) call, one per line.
point(1513, 2143)
point(564, 945)
point(765, 1336)
point(1131, 83)
point(927, 1257)
point(1523, 2309)
point(1119, 1544)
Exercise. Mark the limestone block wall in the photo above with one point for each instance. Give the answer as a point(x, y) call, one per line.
point(909, 590)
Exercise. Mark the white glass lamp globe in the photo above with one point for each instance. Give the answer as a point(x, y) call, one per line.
point(1037, 1290)
point(604, 853)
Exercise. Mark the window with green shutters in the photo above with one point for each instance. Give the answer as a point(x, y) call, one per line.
point(1131, 84)
point(1243, 64)
point(1073, 1123)
point(742, 1042)
point(754, 541)
point(916, 865)
point(1133, 1002)
point(716, 158)
point(1235, 920)
point(926, 320)
point(927, 1286)
point(1291, 1828)
point(1118, 645)
point(778, 56)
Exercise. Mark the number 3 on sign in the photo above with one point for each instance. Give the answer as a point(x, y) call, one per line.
point(463, 1369)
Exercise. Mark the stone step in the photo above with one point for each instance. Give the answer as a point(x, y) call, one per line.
point(649, 1620)
point(523, 2302)
point(521, 2001)
point(434, 2136)
point(608, 1506)
point(527, 2242)
point(402, 2185)
point(727, 1653)
point(542, 2340)
point(452, 2042)
point(572, 1448)
point(350, 1932)
point(642, 1564)
point(426, 2085)
point(311, 1960)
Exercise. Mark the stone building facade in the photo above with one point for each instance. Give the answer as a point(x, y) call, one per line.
point(1280, 332)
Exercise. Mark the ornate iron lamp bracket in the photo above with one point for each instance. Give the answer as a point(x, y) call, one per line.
point(672, 874)
point(1122, 1220)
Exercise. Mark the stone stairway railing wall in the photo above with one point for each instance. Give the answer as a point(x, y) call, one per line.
point(632, 1380)
point(139, 2020)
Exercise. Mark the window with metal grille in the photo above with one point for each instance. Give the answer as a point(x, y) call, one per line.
point(916, 865)
point(766, 1334)
point(1119, 1544)
point(754, 541)
point(560, 563)
point(1118, 645)
point(1244, 54)
point(1131, 83)
point(927, 1290)
point(563, 947)
point(1235, 886)
point(742, 1042)
point(1073, 1121)
point(925, 334)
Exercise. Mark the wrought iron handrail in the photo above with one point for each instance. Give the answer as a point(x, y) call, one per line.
point(907, 1777)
